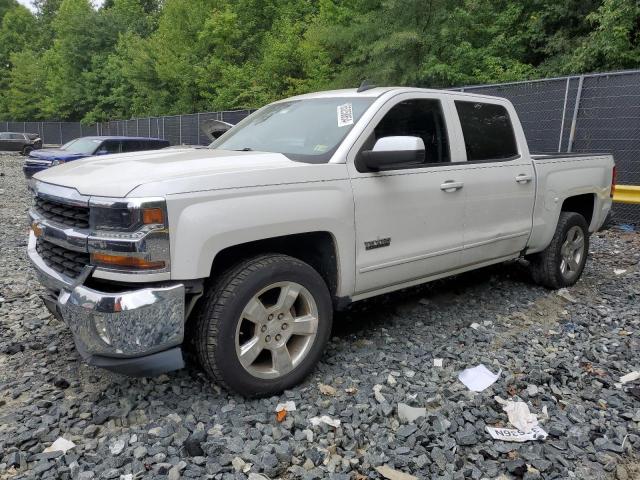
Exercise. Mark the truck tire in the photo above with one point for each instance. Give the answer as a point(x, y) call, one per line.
point(562, 262)
point(263, 325)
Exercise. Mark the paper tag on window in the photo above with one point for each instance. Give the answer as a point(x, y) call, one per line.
point(345, 115)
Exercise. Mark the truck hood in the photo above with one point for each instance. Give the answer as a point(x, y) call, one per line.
point(55, 154)
point(172, 171)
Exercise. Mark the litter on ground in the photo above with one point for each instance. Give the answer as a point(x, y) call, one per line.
point(289, 406)
point(333, 422)
point(519, 414)
point(410, 414)
point(478, 378)
point(391, 474)
point(526, 423)
point(60, 445)
point(513, 435)
point(630, 377)
point(326, 389)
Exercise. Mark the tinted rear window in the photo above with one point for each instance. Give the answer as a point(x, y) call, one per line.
point(488, 133)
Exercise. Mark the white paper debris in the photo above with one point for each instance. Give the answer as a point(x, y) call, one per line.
point(519, 414)
point(345, 115)
point(376, 393)
point(475, 325)
point(326, 389)
point(513, 435)
point(437, 362)
point(315, 421)
point(630, 377)
point(60, 445)
point(289, 406)
point(391, 474)
point(619, 271)
point(410, 414)
point(478, 378)
point(564, 293)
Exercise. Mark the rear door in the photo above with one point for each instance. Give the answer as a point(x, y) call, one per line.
point(130, 146)
point(500, 186)
point(4, 141)
point(408, 225)
point(16, 142)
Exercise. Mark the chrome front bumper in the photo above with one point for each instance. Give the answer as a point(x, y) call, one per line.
point(112, 329)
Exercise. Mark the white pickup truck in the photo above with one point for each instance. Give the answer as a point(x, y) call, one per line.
point(244, 249)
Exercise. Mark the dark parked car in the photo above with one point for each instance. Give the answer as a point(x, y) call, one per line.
point(19, 142)
point(88, 147)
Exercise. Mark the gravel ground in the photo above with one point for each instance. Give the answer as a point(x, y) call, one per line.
point(563, 353)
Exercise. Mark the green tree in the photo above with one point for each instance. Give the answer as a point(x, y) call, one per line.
point(17, 29)
point(70, 56)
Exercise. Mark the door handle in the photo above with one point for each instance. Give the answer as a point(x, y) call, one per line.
point(523, 178)
point(451, 186)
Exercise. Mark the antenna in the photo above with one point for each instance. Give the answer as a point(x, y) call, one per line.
point(365, 85)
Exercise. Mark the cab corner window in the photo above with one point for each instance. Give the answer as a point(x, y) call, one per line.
point(488, 133)
point(417, 118)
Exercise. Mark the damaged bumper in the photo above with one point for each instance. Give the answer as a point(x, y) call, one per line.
point(136, 332)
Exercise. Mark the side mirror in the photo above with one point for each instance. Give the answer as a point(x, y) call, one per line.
point(394, 152)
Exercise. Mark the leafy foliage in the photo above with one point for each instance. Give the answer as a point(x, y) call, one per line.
point(151, 57)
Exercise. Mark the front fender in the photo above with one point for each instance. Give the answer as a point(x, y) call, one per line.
point(204, 223)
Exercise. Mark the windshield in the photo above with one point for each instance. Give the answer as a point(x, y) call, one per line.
point(82, 145)
point(304, 130)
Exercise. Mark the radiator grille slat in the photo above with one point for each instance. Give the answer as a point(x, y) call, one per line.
point(64, 214)
point(64, 261)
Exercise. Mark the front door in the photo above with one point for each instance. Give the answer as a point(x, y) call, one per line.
point(409, 224)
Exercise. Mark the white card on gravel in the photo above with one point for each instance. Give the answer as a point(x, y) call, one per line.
point(513, 435)
point(478, 378)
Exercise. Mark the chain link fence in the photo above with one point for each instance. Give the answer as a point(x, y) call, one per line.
point(580, 113)
point(190, 129)
point(597, 113)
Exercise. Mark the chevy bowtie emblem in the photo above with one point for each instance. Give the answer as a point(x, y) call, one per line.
point(37, 230)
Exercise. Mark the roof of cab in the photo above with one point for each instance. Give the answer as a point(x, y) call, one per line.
point(379, 91)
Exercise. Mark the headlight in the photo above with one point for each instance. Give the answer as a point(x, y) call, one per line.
point(57, 162)
point(129, 234)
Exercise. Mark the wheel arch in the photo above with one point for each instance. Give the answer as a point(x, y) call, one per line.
point(318, 249)
point(583, 204)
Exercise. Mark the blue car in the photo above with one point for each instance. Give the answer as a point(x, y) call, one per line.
point(84, 147)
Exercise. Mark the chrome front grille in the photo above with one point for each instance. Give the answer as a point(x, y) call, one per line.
point(62, 260)
point(62, 213)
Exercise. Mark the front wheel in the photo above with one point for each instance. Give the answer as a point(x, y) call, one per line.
point(562, 262)
point(263, 325)
point(27, 150)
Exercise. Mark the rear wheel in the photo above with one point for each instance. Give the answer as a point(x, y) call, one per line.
point(263, 326)
point(562, 262)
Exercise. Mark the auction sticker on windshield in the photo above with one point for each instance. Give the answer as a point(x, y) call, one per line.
point(345, 115)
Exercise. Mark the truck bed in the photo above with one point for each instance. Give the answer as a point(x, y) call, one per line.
point(553, 156)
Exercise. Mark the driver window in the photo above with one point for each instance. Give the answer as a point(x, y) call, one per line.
point(417, 118)
point(111, 146)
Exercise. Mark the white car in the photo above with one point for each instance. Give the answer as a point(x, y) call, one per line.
point(245, 249)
